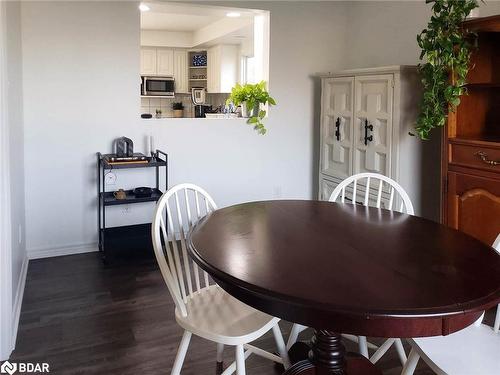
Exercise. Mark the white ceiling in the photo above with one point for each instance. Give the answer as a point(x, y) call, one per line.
point(184, 17)
point(235, 37)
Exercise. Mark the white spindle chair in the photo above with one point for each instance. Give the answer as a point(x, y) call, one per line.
point(202, 307)
point(368, 189)
point(473, 350)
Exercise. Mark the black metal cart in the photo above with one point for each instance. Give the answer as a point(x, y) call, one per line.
point(129, 237)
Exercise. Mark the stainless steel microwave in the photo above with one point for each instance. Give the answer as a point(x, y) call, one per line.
point(158, 86)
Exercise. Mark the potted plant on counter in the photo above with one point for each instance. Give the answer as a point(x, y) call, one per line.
point(178, 109)
point(252, 98)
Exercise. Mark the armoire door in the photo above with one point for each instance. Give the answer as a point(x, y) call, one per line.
point(373, 124)
point(336, 126)
point(474, 205)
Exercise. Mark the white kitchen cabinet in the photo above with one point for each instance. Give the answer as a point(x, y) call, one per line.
point(165, 62)
point(148, 61)
point(160, 61)
point(366, 118)
point(181, 71)
point(222, 68)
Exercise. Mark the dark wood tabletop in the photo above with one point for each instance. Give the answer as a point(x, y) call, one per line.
point(348, 268)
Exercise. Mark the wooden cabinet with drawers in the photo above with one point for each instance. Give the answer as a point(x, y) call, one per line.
point(471, 146)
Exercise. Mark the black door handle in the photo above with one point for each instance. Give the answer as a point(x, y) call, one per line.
point(368, 127)
point(337, 129)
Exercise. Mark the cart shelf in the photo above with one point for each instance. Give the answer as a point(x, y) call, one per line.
point(155, 161)
point(110, 200)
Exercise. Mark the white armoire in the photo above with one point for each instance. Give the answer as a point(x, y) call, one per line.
point(366, 118)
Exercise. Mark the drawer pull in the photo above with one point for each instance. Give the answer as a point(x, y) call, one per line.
point(484, 157)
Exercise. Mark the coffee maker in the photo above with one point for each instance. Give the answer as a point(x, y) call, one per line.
point(198, 97)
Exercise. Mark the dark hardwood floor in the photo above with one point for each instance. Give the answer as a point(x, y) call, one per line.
point(83, 318)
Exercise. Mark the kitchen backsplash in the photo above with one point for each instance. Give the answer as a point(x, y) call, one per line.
point(150, 105)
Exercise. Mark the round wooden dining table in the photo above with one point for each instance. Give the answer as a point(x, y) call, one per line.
point(344, 268)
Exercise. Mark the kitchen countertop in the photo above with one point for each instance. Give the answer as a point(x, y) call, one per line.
point(194, 118)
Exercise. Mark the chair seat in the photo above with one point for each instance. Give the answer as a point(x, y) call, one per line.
point(215, 315)
point(473, 350)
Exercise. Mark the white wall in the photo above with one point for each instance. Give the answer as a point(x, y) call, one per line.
point(384, 32)
point(13, 260)
point(15, 105)
point(81, 90)
point(5, 248)
point(81, 65)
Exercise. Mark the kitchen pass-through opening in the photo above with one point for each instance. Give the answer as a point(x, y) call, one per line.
point(192, 55)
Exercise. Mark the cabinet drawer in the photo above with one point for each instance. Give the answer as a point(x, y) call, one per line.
point(482, 156)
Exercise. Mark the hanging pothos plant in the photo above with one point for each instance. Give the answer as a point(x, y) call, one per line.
point(253, 96)
point(446, 50)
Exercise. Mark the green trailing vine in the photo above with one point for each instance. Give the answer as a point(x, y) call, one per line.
point(253, 95)
point(446, 51)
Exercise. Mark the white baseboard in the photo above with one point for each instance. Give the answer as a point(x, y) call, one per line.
point(18, 301)
point(62, 250)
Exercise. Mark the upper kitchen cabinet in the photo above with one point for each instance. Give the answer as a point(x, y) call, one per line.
point(165, 62)
point(148, 61)
point(157, 61)
point(222, 68)
point(181, 71)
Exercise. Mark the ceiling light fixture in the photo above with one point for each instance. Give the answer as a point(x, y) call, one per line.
point(144, 8)
point(233, 14)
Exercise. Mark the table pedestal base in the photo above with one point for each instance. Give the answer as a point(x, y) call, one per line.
point(327, 356)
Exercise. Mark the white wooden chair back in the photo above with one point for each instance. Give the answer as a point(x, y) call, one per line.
point(365, 189)
point(496, 244)
point(181, 207)
point(478, 322)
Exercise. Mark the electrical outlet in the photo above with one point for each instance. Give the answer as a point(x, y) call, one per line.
point(110, 178)
point(277, 192)
point(20, 234)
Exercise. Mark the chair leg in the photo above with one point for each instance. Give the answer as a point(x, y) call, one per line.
point(220, 351)
point(240, 360)
point(294, 335)
point(381, 350)
point(363, 346)
point(280, 344)
point(497, 320)
point(401, 351)
point(181, 353)
point(411, 363)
